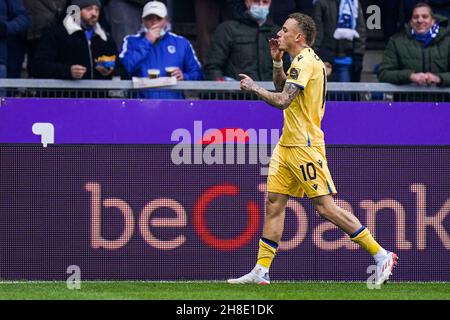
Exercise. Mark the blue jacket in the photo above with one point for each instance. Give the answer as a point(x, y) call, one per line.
point(138, 55)
point(13, 20)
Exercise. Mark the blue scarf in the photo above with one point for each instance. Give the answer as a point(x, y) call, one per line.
point(348, 13)
point(427, 37)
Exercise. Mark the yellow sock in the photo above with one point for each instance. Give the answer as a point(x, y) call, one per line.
point(367, 242)
point(266, 253)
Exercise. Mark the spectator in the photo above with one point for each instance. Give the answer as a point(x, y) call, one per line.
point(76, 50)
point(124, 18)
point(154, 47)
point(208, 15)
point(44, 14)
point(281, 9)
point(342, 47)
point(14, 20)
point(395, 13)
point(241, 45)
point(421, 53)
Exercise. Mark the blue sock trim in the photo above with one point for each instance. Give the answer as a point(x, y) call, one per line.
point(358, 232)
point(271, 243)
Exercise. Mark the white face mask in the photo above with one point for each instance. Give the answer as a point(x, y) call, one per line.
point(259, 12)
point(164, 30)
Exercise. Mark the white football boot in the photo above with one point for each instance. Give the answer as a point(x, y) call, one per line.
point(385, 267)
point(256, 276)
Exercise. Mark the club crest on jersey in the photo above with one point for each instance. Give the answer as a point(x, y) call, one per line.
point(294, 73)
point(171, 49)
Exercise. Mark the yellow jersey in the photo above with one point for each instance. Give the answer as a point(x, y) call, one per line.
point(303, 117)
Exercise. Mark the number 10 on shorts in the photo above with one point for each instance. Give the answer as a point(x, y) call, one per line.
point(309, 172)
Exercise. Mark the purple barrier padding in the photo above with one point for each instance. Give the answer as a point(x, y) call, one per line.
point(384, 123)
point(127, 121)
point(68, 205)
point(153, 122)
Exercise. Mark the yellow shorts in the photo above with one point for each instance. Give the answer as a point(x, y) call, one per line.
point(295, 171)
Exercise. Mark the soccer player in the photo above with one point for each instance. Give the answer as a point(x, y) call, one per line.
point(298, 165)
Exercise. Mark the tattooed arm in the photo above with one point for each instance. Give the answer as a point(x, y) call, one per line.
point(279, 79)
point(279, 100)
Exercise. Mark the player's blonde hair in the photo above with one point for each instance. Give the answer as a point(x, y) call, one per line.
point(306, 25)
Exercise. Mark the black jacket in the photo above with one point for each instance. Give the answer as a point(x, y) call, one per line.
point(66, 45)
point(44, 14)
point(241, 46)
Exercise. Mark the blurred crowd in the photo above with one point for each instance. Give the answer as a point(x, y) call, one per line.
point(102, 39)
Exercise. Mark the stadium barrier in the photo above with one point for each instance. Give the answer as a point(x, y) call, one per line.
point(212, 90)
point(174, 190)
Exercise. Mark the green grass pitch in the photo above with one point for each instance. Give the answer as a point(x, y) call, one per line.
point(221, 291)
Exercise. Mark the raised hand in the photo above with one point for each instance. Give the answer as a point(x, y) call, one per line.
point(154, 33)
point(247, 83)
point(275, 51)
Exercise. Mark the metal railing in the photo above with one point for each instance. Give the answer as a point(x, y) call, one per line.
point(212, 90)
